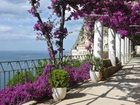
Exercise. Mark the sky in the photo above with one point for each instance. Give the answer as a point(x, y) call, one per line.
point(16, 27)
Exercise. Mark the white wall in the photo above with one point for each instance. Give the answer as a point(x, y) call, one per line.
point(138, 49)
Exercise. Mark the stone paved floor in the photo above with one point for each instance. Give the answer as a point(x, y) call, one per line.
point(123, 88)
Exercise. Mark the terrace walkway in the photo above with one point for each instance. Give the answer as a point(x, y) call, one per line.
point(123, 88)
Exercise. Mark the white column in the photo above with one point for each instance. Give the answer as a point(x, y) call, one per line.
point(122, 51)
point(130, 49)
point(127, 51)
point(118, 46)
point(125, 56)
point(111, 45)
point(98, 39)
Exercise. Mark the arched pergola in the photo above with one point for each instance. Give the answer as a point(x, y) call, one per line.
point(122, 38)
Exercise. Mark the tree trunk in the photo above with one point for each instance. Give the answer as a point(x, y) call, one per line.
point(62, 36)
point(51, 51)
point(47, 37)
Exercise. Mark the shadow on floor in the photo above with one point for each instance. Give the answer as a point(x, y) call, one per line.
point(75, 95)
point(123, 83)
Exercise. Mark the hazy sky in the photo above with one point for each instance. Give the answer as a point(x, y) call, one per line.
point(16, 27)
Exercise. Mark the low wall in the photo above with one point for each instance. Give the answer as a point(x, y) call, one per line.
point(107, 72)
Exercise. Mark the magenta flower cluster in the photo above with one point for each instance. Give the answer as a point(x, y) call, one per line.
point(36, 4)
point(46, 26)
point(60, 32)
point(21, 93)
point(115, 14)
point(41, 88)
point(78, 74)
point(118, 14)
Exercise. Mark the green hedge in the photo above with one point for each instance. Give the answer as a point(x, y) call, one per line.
point(39, 68)
point(21, 77)
point(106, 63)
point(73, 63)
point(108, 69)
point(59, 78)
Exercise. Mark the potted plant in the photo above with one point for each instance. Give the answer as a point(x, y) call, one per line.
point(59, 79)
point(95, 70)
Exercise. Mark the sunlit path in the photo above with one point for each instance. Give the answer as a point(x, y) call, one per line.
point(122, 89)
point(90, 53)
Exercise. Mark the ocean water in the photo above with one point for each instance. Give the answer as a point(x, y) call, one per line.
point(22, 55)
point(7, 56)
point(16, 56)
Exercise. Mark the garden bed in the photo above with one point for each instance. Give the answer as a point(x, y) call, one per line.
point(40, 87)
point(109, 71)
point(40, 90)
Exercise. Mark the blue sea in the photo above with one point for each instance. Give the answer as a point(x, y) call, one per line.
point(17, 56)
point(22, 55)
point(7, 56)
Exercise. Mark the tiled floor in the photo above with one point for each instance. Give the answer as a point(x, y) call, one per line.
point(122, 89)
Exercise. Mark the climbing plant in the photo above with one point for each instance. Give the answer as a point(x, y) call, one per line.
point(116, 14)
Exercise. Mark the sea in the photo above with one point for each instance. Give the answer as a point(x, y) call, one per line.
point(22, 55)
point(7, 56)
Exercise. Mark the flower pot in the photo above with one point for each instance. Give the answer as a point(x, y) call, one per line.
point(98, 75)
point(94, 76)
point(59, 93)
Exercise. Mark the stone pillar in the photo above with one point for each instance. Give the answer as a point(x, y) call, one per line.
point(118, 47)
point(111, 46)
point(125, 56)
point(130, 49)
point(123, 51)
point(127, 51)
point(98, 39)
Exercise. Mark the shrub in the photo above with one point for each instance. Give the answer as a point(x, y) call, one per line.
point(104, 73)
point(88, 57)
point(41, 65)
point(106, 63)
point(98, 63)
point(73, 62)
point(59, 78)
point(66, 63)
point(21, 78)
